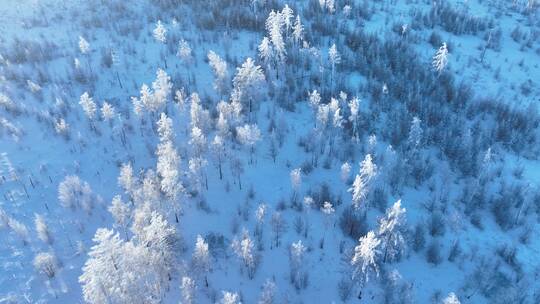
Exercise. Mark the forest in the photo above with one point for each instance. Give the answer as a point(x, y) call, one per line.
point(269, 151)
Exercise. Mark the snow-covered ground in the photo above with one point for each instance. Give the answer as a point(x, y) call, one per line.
point(459, 147)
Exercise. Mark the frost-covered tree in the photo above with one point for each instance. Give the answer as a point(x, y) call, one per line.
point(160, 32)
point(230, 298)
point(314, 102)
point(201, 258)
point(46, 263)
point(415, 134)
point(368, 169)
point(440, 60)
point(327, 5)
point(200, 117)
point(62, 127)
point(88, 105)
point(188, 289)
point(162, 88)
point(184, 51)
point(165, 128)
point(335, 59)
point(298, 274)
point(287, 15)
point(161, 239)
point(274, 25)
point(268, 293)
point(260, 214)
point(84, 46)
point(168, 162)
point(345, 172)
point(296, 181)
point(153, 100)
point(42, 229)
point(360, 186)
point(180, 98)
point(354, 107)
point(145, 100)
point(298, 30)
point(218, 149)
point(243, 247)
point(100, 279)
point(266, 52)
point(249, 135)
point(126, 179)
point(237, 168)
point(391, 228)
point(219, 67)
point(337, 119)
point(125, 272)
point(328, 211)
point(247, 83)
point(197, 166)
point(451, 299)
point(75, 193)
point(107, 111)
point(314, 99)
point(121, 212)
point(364, 260)
point(279, 227)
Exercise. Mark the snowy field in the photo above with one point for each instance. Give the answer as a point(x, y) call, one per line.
point(264, 151)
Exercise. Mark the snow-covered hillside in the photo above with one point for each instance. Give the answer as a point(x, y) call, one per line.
point(265, 151)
